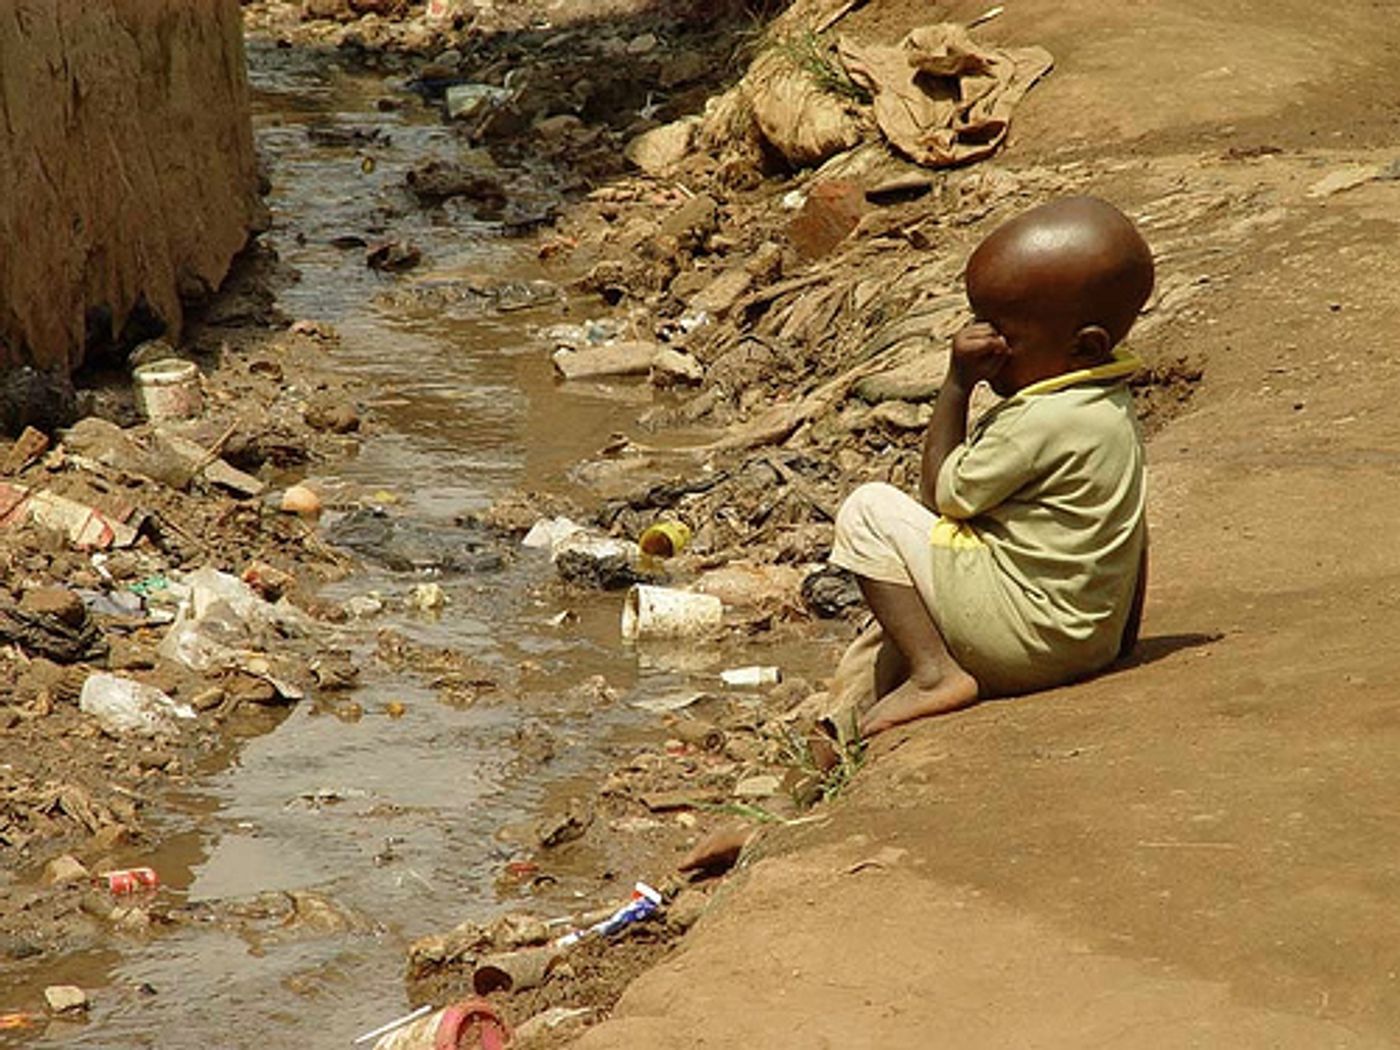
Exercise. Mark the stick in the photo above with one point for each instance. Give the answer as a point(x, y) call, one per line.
point(215, 450)
point(397, 1023)
point(840, 13)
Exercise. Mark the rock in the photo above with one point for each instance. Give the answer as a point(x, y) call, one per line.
point(393, 256)
point(517, 930)
point(435, 181)
point(65, 869)
point(690, 225)
point(566, 825)
point(659, 150)
point(554, 1026)
point(719, 296)
point(469, 101)
point(902, 415)
point(671, 367)
point(761, 786)
point(337, 417)
point(65, 998)
point(57, 602)
point(765, 265)
point(300, 499)
point(683, 912)
point(28, 447)
point(832, 210)
point(558, 127)
point(616, 359)
point(642, 43)
point(917, 381)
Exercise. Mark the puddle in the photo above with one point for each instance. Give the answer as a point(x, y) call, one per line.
point(395, 820)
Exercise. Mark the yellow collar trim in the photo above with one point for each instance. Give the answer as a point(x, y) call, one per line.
point(1124, 363)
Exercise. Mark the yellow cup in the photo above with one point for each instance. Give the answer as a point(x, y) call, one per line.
point(665, 539)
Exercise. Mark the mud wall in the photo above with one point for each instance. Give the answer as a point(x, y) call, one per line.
point(127, 172)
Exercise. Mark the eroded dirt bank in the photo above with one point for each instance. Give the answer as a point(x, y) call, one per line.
point(129, 181)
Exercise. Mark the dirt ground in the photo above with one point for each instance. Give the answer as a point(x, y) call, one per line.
point(1189, 850)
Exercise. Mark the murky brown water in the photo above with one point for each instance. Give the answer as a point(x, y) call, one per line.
point(394, 821)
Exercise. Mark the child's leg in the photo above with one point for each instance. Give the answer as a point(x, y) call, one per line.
point(935, 684)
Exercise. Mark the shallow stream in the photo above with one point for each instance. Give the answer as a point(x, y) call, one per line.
point(391, 822)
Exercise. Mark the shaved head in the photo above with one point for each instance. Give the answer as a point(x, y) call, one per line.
point(1075, 262)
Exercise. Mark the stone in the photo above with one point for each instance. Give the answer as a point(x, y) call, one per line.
point(28, 447)
point(719, 296)
point(300, 499)
point(690, 225)
point(686, 909)
point(616, 359)
point(337, 417)
point(760, 786)
point(832, 210)
point(469, 101)
point(642, 43)
point(58, 602)
point(919, 380)
point(64, 870)
point(65, 998)
point(902, 415)
point(671, 367)
point(659, 150)
point(765, 265)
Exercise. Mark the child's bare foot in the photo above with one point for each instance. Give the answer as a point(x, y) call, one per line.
point(949, 691)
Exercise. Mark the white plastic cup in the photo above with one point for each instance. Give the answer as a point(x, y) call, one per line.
point(751, 677)
point(168, 389)
point(663, 612)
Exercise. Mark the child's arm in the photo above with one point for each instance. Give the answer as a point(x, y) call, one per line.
point(978, 352)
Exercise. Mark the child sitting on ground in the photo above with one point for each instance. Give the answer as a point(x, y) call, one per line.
point(1024, 566)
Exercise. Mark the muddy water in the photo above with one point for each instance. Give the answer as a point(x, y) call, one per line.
point(391, 823)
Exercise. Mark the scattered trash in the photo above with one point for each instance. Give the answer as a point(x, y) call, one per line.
point(123, 706)
point(363, 606)
point(19, 1019)
point(515, 971)
point(751, 677)
point(168, 389)
point(427, 597)
point(704, 735)
point(301, 499)
point(52, 622)
point(86, 527)
point(469, 101)
point(940, 98)
point(643, 903)
point(129, 880)
point(472, 1024)
point(665, 539)
point(665, 704)
point(663, 612)
point(426, 1008)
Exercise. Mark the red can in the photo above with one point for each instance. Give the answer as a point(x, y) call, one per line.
point(130, 880)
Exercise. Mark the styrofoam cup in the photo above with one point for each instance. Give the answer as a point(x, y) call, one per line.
point(663, 612)
point(168, 389)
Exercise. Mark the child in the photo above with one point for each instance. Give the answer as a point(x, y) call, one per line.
point(1024, 565)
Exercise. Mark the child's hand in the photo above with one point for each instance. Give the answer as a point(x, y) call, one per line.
point(979, 352)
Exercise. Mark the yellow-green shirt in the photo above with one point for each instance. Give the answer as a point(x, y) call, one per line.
point(1041, 530)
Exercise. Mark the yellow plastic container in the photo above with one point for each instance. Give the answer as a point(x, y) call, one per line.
point(665, 539)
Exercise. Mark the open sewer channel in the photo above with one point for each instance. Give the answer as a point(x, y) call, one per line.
point(391, 824)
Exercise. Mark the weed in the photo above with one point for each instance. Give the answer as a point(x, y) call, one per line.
point(796, 751)
point(813, 55)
